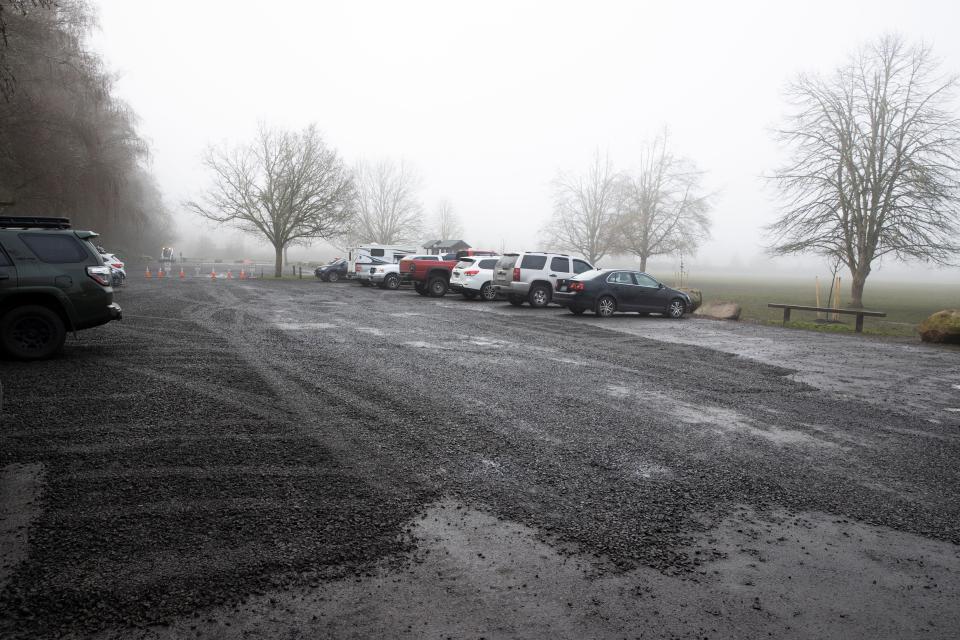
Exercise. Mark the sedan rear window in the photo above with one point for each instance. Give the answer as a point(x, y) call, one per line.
point(533, 262)
point(55, 248)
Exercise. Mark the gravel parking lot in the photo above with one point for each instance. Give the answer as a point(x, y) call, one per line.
point(301, 459)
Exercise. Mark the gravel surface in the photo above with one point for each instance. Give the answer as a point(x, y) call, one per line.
point(265, 438)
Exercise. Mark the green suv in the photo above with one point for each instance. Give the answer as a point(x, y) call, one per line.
point(52, 280)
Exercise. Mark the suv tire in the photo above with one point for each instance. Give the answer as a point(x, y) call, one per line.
point(515, 300)
point(437, 287)
point(539, 296)
point(392, 282)
point(32, 332)
point(488, 293)
point(333, 276)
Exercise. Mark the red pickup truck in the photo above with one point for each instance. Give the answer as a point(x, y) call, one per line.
point(430, 275)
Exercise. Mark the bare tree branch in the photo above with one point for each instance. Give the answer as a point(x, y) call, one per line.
point(663, 210)
point(389, 209)
point(875, 162)
point(586, 211)
point(287, 187)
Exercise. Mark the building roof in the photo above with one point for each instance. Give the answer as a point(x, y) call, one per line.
point(445, 243)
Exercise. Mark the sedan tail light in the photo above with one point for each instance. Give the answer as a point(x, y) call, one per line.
point(471, 272)
point(576, 286)
point(101, 275)
point(516, 274)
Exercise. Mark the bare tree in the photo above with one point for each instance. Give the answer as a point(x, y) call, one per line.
point(389, 209)
point(285, 186)
point(875, 162)
point(446, 223)
point(663, 208)
point(586, 211)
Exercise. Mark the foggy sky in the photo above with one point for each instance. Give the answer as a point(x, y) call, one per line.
point(490, 99)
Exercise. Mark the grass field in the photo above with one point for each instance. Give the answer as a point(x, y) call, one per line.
point(905, 304)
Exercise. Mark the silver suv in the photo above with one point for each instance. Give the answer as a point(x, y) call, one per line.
point(533, 276)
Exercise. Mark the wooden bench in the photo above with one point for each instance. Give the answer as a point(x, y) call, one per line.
point(860, 313)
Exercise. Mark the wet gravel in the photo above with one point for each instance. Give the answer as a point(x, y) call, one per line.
point(228, 438)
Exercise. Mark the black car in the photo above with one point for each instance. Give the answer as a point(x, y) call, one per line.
point(52, 280)
point(606, 291)
point(332, 271)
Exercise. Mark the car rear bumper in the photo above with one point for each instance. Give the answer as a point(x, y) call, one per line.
point(512, 288)
point(567, 299)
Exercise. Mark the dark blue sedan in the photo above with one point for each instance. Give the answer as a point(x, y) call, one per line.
point(607, 291)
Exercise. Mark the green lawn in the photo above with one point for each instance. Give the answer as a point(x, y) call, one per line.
point(905, 304)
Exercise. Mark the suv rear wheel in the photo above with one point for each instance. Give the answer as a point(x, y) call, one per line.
point(32, 332)
point(437, 287)
point(539, 296)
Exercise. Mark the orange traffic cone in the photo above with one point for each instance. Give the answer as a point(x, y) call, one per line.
point(160, 273)
point(230, 274)
point(182, 274)
point(147, 275)
point(213, 274)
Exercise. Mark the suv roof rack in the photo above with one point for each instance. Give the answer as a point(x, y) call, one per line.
point(33, 222)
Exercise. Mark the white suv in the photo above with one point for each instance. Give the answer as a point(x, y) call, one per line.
point(533, 276)
point(473, 276)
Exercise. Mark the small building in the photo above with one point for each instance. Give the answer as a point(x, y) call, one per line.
point(437, 247)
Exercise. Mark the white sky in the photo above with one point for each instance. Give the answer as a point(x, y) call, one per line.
point(490, 99)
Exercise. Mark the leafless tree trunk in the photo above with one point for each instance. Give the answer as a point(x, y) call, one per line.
point(446, 222)
point(663, 209)
point(875, 163)
point(389, 209)
point(285, 186)
point(586, 211)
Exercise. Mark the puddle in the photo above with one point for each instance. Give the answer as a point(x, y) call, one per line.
point(20, 489)
point(475, 575)
point(722, 420)
point(303, 326)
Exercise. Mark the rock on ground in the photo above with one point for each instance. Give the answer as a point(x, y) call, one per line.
point(943, 326)
point(720, 310)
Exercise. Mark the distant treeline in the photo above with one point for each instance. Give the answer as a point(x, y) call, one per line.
point(68, 146)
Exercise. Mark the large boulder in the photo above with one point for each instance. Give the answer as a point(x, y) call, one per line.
point(696, 298)
point(719, 310)
point(943, 326)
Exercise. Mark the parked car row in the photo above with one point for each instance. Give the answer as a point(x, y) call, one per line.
point(534, 277)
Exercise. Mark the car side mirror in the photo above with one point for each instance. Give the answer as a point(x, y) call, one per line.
point(659, 285)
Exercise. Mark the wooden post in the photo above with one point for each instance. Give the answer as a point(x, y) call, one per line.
point(859, 327)
point(816, 280)
point(786, 315)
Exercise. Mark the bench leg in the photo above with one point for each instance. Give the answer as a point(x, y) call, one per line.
point(859, 328)
point(786, 316)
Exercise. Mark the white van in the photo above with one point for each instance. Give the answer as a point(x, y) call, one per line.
point(363, 257)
